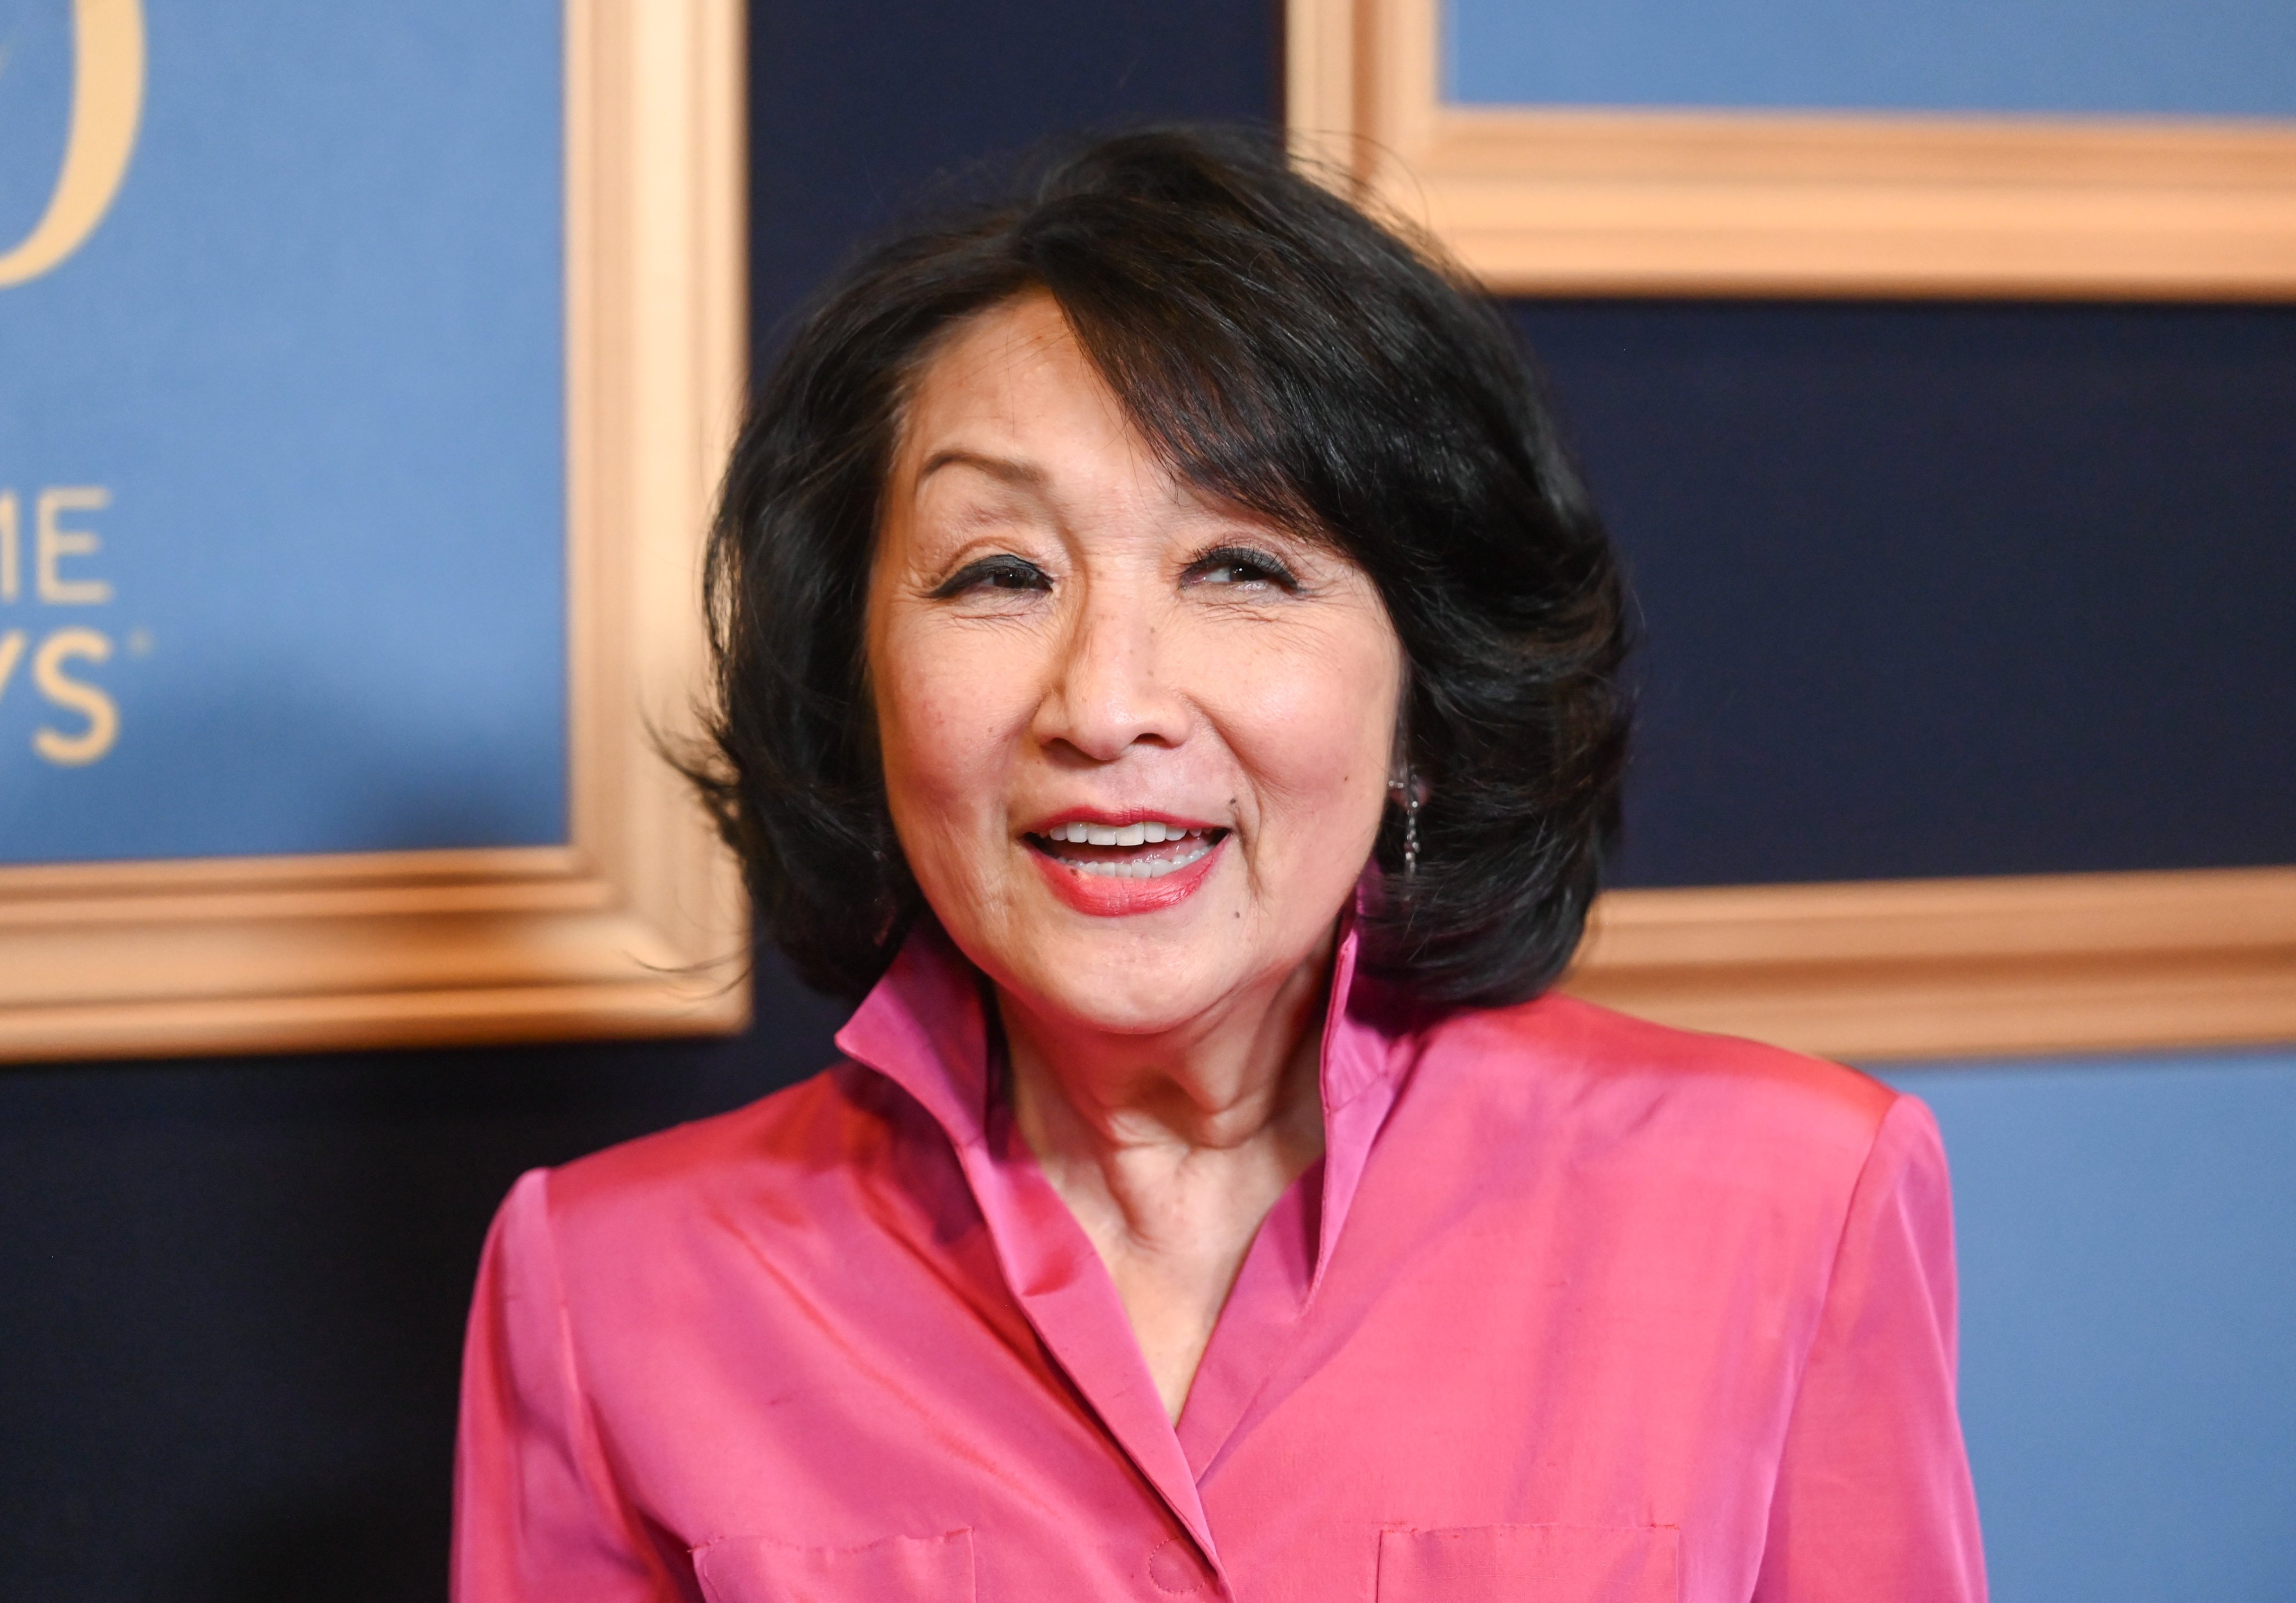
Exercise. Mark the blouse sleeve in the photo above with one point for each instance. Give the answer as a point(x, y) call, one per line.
point(1872, 1499)
point(536, 1514)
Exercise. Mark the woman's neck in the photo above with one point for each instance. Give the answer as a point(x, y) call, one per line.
point(1171, 1150)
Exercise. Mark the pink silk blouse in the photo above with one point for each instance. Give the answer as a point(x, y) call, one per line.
point(1574, 1308)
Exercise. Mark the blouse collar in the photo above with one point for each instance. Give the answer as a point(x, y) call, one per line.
point(925, 1027)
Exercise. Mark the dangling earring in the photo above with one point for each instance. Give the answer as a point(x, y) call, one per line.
point(1409, 785)
point(1410, 824)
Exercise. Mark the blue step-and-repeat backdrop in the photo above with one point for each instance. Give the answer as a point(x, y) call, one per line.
point(281, 430)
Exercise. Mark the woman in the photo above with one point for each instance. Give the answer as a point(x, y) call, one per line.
point(1166, 664)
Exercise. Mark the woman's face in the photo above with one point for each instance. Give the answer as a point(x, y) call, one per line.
point(1072, 654)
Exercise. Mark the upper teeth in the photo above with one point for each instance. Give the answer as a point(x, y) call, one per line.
point(1147, 833)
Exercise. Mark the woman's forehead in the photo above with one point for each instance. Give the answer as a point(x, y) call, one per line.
point(1006, 381)
point(1010, 404)
point(1012, 408)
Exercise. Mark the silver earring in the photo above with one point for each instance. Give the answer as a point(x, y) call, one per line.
point(1409, 785)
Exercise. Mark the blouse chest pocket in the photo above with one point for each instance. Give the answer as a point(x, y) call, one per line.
point(900, 1569)
point(1528, 1564)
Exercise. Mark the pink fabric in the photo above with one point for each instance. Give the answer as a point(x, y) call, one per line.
point(1574, 1308)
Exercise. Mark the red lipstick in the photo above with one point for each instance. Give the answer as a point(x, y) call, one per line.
point(1113, 864)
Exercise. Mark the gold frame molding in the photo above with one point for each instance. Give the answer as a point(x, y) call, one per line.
point(1950, 967)
point(637, 926)
point(1661, 203)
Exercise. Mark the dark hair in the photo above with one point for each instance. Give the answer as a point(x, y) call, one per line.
point(1283, 352)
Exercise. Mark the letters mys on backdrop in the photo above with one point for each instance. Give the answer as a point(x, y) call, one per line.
point(45, 560)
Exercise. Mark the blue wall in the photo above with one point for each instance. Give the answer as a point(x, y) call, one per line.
point(312, 361)
point(2171, 57)
point(2127, 1244)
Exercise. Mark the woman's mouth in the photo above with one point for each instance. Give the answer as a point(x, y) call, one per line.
point(1149, 849)
point(1111, 869)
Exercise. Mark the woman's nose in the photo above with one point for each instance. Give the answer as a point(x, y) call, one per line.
point(1109, 690)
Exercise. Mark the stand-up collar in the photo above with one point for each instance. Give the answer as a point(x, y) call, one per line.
point(925, 1027)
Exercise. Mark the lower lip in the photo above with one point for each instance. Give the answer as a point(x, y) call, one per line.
point(1105, 896)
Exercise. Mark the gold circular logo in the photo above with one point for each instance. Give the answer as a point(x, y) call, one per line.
point(107, 104)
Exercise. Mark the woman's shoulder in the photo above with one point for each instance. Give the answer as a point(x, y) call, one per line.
point(1577, 1070)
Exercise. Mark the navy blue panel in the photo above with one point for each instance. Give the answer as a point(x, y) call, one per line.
point(859, 112)
point(1948, 589)
point(2185, 57)
point(2128, 1323)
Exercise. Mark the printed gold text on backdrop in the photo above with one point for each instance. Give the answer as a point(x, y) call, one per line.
point(107, 104)
point(58, 578)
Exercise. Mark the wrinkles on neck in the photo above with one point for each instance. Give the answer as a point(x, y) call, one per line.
point(1171, 1150)
point(1241, 1075)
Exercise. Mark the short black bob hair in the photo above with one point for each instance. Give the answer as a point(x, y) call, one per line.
point(1283, 351)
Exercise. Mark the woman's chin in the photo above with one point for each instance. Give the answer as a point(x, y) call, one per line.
point(1118, 998)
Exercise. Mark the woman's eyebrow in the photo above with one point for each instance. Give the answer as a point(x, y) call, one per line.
point(1010, 470)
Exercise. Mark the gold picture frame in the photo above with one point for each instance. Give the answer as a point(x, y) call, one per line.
point(1641, 202)
point(1556, 202)
point(1880, 969)
point(636, 926)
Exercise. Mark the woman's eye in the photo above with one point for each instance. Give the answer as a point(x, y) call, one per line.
point(1229, 566)
point(994, 573)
